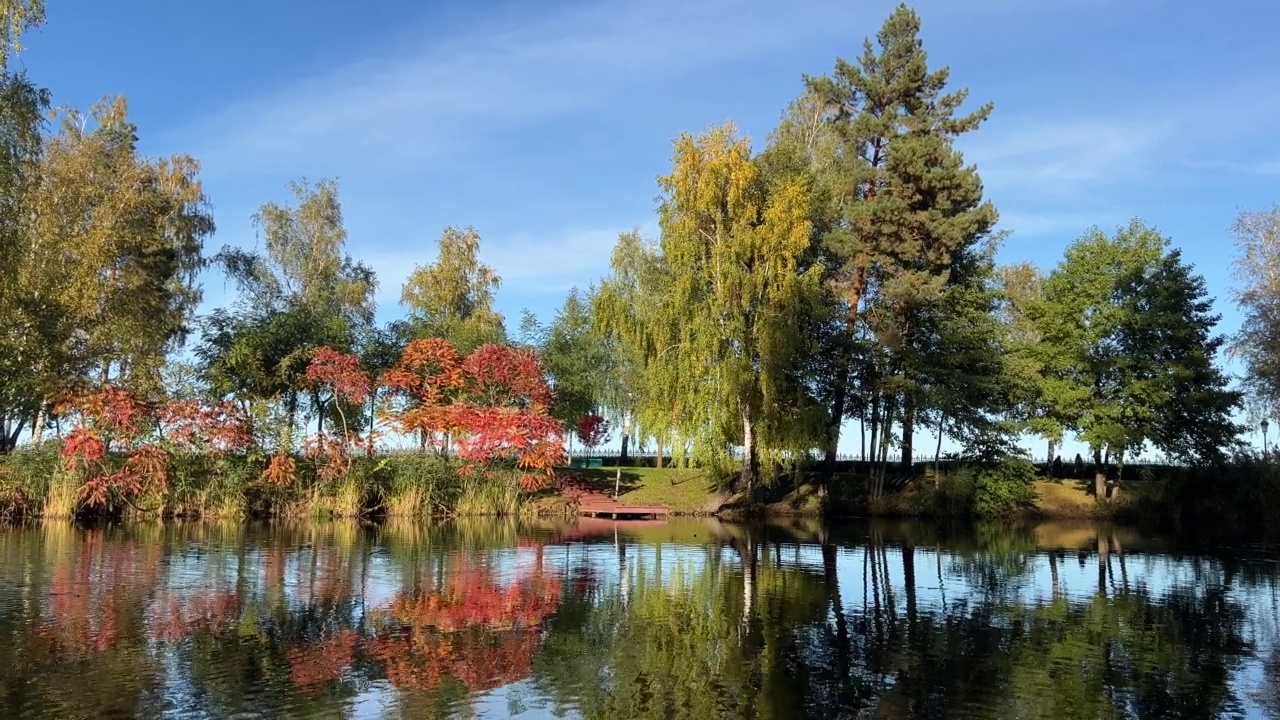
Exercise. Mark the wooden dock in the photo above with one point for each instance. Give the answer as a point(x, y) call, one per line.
point(598, 505)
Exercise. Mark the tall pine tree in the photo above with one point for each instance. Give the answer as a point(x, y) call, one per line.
point(903, 203)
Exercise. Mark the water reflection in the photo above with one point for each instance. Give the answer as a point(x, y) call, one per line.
point(597, 619)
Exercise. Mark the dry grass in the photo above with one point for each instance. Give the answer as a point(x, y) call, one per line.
point(1066, 499)
point(61, 500)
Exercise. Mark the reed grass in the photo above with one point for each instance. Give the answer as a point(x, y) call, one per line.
point(33, 483)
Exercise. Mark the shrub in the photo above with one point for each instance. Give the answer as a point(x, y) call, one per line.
point(1005, 488)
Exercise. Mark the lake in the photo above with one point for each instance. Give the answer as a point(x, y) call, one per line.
point(688, 618)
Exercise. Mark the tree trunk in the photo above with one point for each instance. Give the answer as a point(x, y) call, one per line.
point(875, 431)
point(750, 461)
point(862, 427)
point(844, 367)
point(9, 437)
point(658, 459)
point(626, 437)
point(1053, 446)
point(908, 433)
point(37, 426)
point(937, 452)
point(1113, 491)
point(885, 437)
point(373, 419)
point(292, 405)
point(1099, 475)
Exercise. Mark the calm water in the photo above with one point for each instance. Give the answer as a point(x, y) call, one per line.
point(685, 619)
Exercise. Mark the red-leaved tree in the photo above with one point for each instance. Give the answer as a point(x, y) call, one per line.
point(121, 444)
point(106, 421)
point(504, 413)
point(592, 430)
point(337, 378)
point(495, 403)
point(342, 378)
point(423, 384)
point(194, 426)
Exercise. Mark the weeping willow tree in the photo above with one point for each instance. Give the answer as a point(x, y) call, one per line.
point(711, 312)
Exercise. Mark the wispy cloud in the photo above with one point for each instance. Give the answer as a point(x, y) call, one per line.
point(433, 96)
point(1242, 167)
point(451, 99)
point(1055, 175)
point(1065, 158)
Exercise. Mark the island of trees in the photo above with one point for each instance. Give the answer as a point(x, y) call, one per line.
point(840, 276)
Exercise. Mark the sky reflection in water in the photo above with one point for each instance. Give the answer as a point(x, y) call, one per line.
point(689, 618)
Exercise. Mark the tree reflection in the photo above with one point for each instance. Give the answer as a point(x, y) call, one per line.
point(472, 629)
point(632, 620)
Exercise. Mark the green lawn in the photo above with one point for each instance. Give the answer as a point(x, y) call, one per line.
point(684, 491)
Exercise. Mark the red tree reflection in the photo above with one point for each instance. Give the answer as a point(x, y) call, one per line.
point(96, 593)
point(319, 663)
point(474, 629)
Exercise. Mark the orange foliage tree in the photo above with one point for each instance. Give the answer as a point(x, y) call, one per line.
point(495, 402)
point(121, 444)
point(341, 378)
point(423, 384)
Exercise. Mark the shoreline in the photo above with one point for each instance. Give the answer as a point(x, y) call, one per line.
point(35, 484)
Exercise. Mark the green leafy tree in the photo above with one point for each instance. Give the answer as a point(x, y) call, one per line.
point(1127, 350)
point(904, 204)
point(1020, 290)
point(260, 361)
point(305, 263)
point(102, 248)
point(453, 297)
point(723, 297)
point(27, 337)
point(960, 365)
point(120, 241)
point(576, 358)
point(626, 313)
point(305, 292)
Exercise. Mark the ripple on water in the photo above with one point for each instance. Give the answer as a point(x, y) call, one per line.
point(685, 618)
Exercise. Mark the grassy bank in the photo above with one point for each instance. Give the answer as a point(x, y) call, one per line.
point(34, 483)
point(1245, 492)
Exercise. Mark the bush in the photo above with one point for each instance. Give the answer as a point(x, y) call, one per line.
point(1005, 488)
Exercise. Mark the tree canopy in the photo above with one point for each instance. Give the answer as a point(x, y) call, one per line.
point(846, 272)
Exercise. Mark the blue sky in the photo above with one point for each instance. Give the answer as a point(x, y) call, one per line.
point(545, 125)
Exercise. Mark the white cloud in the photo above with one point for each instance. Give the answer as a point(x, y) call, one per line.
point(1059, 174)
point(1065, 158)
point(433, 97)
